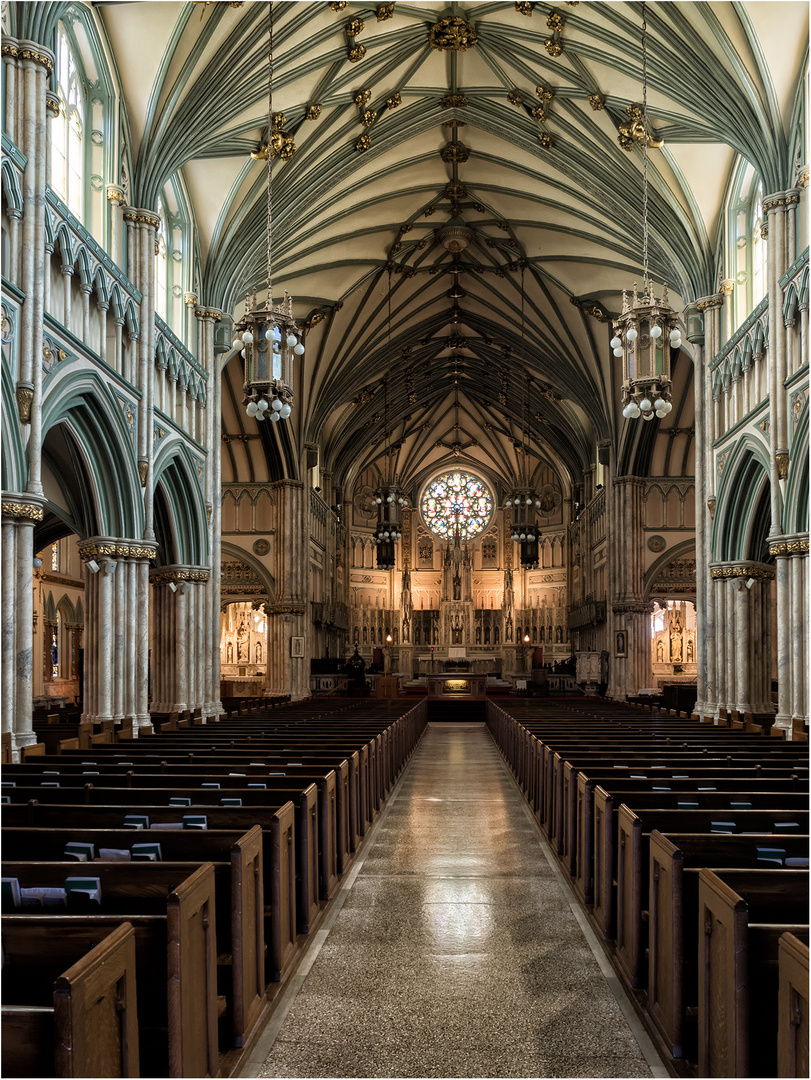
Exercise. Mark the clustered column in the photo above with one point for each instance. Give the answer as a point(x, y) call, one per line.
point(116, 631)
point(704, 321)
point(791, 560)
point(207, 319)
point(179, 664)
point(19, 518)
point(742, 669)
point(288, 673)
point(631, 614)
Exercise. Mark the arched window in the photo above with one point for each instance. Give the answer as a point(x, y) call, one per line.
point(81, 142)
point(172, 261)
point(454, 502)
point(747, 247)
point(67, 130)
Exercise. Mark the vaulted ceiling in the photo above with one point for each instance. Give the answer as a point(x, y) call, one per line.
point(387, 135)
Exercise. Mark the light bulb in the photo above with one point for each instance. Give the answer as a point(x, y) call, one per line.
point(617, 352)
point(277, 405)
point(675, 344)
point(537, 504)
point(285, 411)
point(635, 410)
point(628, 411)
point(528, 501)
point(616, 342)
point(507, 504)
point(251, 408)
point(298, 349)
point(675, 335)
point(530, 536)
point(389, 498)
point(645, 404)
point(515, 537)
point(632, 334)
point(291, 340)
point(668, 407)
point(386, 535)
point(661, 413)
point(274, 416)
point(247, 337)
point(262, 405)
point(659, 403)
point(656, 331)
point(236, 344)
point(647, 416)
point(522, 537)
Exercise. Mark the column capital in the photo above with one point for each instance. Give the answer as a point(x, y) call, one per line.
point(107, 547)
point(205, 312)
point(31, 51)
point(796, 544)
point(164, 575)
point(142, 217)
point(780, 200)
point(757, 571)
point(23, 508)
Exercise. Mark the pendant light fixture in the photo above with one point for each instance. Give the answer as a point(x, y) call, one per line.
point(647, 331)
point(268, 338)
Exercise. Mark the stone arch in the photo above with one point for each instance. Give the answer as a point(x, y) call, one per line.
point(94, 448)
point(64, 241)
point(181, 525)
point(13, 464)
point(234, 551)
point(11, 189)
point(740, 491)
point(795, 508)
point(83, 265)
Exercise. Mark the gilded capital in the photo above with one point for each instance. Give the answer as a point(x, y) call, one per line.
point(23, 511)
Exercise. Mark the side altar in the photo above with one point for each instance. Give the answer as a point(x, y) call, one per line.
point(457, 685)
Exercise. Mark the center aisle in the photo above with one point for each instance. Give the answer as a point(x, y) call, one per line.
point(456, 951)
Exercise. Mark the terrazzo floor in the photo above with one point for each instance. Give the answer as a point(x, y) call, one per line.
point(453, 949)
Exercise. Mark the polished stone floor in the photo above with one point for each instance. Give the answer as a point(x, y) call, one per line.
point(454, 950)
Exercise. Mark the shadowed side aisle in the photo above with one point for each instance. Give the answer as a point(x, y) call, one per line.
point(456, 951)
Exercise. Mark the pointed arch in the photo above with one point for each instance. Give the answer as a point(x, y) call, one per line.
point(740, 495)
point(795, 508)
point(94, 440)
point(11, 188)
point(181, 524)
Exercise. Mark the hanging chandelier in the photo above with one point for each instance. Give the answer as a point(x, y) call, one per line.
point(524, 503)
point(647, 331)
point(389, 501)
point(268, 338)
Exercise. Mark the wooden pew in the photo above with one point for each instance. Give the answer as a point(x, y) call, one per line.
point(674, 864)
point(666, 820)
point(96, 1011)
point(90, 1026)
point(792, 1014)
point(178, 1023)
point(632, 853)
point(738, 957)
point(279, 853)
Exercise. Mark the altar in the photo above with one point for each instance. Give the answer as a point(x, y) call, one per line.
point(460, 685)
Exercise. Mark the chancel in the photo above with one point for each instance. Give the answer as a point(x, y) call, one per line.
point(405, 420)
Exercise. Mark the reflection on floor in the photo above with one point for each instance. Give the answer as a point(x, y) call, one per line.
point(456, 952)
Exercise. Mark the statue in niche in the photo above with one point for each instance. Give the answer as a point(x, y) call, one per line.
point(478, 634)
point(457, 586)
point(365, 636)
point(690, 653)
point(242, 643)
point(405, 631)
point(396, 635)
point(487, 633)
point(417, 634)
point(496, 635)
point(559, 635)
point(660, 652)
point(675, 645)
point(229, 653)
point(435, 630)
point(508, 630)
point(258, 652)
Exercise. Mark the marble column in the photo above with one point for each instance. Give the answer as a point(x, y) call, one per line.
point(784, 646)
point(631, 613)
point(292, 580)
point(179, 664)
point(210, 357)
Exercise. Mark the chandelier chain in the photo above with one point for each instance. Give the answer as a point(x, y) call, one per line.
point(644, 149)
point(270, 152)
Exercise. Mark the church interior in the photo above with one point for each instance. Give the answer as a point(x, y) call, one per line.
point(444, 360)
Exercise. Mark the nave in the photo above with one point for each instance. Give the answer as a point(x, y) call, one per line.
point(453, 949)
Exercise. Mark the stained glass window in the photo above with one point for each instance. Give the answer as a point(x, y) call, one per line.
point(457, 500)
